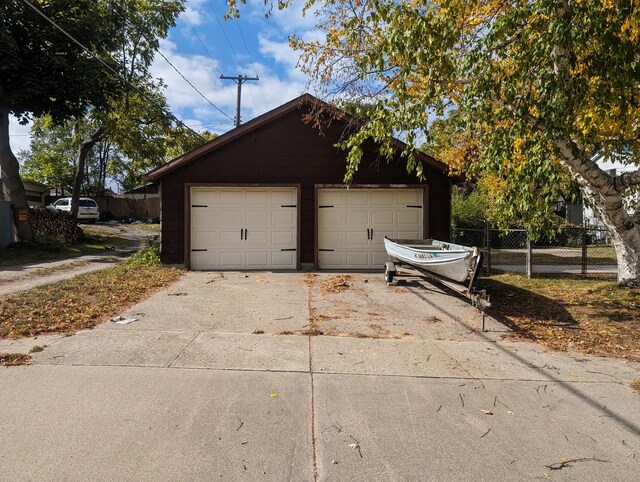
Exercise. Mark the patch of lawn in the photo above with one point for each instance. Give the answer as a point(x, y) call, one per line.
point(590, 315)
point(152, 228)
point(14, 359)
point(29, 252)
point(83, 301)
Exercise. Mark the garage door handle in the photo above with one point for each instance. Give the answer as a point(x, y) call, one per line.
point(368, 234)
point(241, 233)
point(371, 233)
point(245, 234)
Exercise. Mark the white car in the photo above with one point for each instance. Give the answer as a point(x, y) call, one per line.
point(87, 211)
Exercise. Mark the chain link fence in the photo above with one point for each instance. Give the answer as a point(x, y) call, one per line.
point(572, 251)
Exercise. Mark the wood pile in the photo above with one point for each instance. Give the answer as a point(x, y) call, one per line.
point(50, 225)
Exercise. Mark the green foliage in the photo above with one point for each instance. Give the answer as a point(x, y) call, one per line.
point(147, 255)
point(538, 86)
point(468, 210)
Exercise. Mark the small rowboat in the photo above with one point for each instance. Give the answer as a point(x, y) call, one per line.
point(451, 261)
point(453, 265)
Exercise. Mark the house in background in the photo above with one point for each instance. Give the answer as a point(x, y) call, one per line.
point(270, 195)
point(148, 191)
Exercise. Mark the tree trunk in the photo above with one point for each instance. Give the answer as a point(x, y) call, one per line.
point(12, 182)
point(81, 158)
point(606, 195)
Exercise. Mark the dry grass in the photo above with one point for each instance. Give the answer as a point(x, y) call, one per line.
point(635, 385)
point(590, 315)
point(337, 284)
point(81, 302)
point(14, 359)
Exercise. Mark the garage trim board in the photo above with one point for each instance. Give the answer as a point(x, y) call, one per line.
point(242, 227)
point(351, 223)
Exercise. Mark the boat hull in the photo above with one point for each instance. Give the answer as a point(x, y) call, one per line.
point(448, 260)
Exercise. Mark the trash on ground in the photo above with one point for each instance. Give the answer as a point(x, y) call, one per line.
point(121, 320)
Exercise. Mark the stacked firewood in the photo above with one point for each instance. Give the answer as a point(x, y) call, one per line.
point(51, 225)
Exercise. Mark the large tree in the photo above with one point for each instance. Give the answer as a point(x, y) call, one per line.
point(539, 82)
point(44, 71)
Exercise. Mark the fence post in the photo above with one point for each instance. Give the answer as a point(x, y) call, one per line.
point(529, 257)
point(487, 244)
point(584, 249)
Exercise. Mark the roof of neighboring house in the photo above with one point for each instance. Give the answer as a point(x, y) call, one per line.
point(34, 186)
point(278, 112)
point(146, 189)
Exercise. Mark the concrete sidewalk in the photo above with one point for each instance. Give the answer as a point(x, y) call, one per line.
point(401, 386)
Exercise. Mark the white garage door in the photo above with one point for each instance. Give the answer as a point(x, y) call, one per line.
point(243, 228)
point(353, 223)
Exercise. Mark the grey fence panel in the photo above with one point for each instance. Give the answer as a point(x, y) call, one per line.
point(571, 251)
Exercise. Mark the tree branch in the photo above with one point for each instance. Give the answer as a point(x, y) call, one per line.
point(627, 179)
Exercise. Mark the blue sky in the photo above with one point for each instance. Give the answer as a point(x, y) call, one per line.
point(203, 46)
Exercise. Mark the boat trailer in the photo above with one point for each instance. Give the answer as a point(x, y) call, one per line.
point(479, 298)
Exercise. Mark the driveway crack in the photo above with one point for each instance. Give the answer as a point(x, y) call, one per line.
point(183, 349)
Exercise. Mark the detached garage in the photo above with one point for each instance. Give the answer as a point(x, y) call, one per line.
point(268, 195)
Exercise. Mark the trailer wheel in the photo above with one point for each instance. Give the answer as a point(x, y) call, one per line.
point(389, 273)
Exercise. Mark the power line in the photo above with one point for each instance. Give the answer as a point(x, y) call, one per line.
point(215, 14)
point(111, 69)
point(193, 86)
point(264, 98)
point(206, 49)
point(141, 32)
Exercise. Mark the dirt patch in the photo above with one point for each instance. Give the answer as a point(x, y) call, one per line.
point(635, 385)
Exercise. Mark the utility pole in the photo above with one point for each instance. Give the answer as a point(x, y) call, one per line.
point(239, 80)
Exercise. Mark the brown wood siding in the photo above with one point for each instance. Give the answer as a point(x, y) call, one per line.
point(288, 151)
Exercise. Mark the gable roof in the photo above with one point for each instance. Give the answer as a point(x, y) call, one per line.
point(266, 118)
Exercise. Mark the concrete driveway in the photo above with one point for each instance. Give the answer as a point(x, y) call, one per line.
point(290, 376)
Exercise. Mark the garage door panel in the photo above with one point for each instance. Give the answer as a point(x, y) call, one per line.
point(231, 259)
point(357, 217)
point(231, 217)
point(278, 198)
point(383, 198)
point(205, 259)
point(257, 259)
point(358, 197)
point(286, 239)
point(208, 198)
point(285, 216)
point(283, 259)
point(357, 259)
point(204, 239)
point(355, 238)
point(220, 228)
point(331, 259)
point(407, 235)
point(410, 197)
point(382, 217)
point(379, 258)
point(258, 217)
point(384, 211)
point(331, 197)
point(229, 237)
point(409, 216)
point(205, 218)
point(331, 238)
point(257, 198)
point(231, 198)
point(257, 237)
